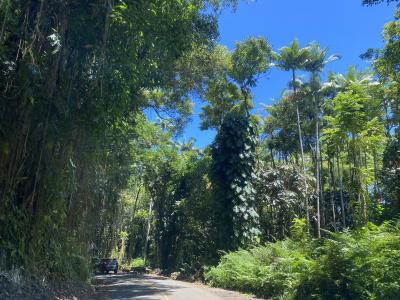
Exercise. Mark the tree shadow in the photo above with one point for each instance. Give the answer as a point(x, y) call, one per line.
point(131, 286)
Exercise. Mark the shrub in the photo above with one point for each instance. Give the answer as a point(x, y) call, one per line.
point(70, 267)
point(78, 267)
point(363, 264)
point(274, 270)
point(136, 264)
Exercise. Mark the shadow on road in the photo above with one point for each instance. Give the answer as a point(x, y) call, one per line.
point(131, 286)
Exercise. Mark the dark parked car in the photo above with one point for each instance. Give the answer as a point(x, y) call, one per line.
point(107, 264)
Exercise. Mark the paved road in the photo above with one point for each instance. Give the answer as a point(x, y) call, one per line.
point(148, 287)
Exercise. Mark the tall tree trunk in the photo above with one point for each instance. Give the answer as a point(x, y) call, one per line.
point(331, 162)
point(321, 189)
point(376, 186)
point(301, 146)
point(340, 172)
point(356, 178)
point(364, 188)
point(136, 200)
point(146, 244)
point(317, 170)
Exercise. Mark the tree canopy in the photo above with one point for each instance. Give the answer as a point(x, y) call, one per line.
point(297, 200)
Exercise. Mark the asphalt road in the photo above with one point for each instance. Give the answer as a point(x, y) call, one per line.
point(148, 287)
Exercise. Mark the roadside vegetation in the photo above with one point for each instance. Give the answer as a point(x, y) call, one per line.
point(299, 201)
point(359, 264)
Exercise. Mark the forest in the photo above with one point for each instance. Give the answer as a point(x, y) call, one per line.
point(300, 201)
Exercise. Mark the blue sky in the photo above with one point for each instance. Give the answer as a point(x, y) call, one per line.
point(343, 26)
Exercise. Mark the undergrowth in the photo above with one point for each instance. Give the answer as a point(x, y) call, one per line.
point(136, 264)
point(360, 264)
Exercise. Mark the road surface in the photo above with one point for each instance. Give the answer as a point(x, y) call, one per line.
point(127, 286)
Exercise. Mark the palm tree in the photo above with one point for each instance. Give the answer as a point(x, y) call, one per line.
point(293, 58)
point(340, 82)
point(315, 63)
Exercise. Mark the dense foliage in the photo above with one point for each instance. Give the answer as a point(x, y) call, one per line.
point(94, 98)
point(74, 77)
point(233, 171)
point(363, 264)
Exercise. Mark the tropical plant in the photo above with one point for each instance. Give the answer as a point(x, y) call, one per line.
point(233, 172)
point(293, 58)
